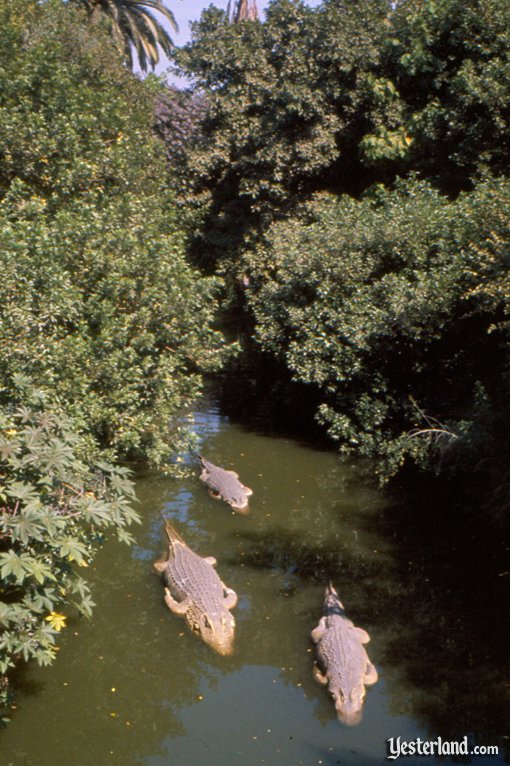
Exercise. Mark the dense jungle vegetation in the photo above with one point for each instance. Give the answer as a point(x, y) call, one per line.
point(351, 172)
point(337, 176)
point(105, 329)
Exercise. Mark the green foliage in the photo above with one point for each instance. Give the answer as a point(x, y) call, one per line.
point(289, 102)
point(74, 122)
point(96, 301)
point(56, 503)
point(342, 96)
point(395, 307)
point(177, 119)
point(450, 61)
point(98, 308)
point(390, 303)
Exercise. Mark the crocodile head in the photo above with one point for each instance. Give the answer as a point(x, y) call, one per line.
point(215, 629)
point(238, 500)
point(349, 703)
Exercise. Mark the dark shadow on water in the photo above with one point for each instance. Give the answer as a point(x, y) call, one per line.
point(437, 610)
point(345, 757)
point(23, 685)
point(313, 562)
point(257, 393)
point(449, 646)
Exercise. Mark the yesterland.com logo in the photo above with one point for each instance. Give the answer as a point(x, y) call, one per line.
point(398, 747)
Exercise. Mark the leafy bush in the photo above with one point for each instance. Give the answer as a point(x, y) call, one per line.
point(98, 308)
point(178, 115)
point(56, 504)
point(339, 97)
point(99, 305)
point(97, 301)
point(395, 307)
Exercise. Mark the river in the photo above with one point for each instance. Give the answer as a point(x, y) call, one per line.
point(133, 686)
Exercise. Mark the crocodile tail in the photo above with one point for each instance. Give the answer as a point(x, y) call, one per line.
point(331, 592)
point(204, 462)
point(172, 534)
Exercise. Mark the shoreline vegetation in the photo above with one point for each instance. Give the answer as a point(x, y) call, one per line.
point(334, 184)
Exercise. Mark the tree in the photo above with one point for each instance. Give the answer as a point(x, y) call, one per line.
point(105, 330)
point(290, 101)
point(395, 309)
point(135, 26)
point(57, 502)
point(450, 63)
point(97, 299)
point(339, 97)
point(177, 120)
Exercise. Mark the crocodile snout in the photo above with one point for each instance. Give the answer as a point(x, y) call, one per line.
point(218, 633)
point(347, 714)
point(225, 648)
point(349, 708)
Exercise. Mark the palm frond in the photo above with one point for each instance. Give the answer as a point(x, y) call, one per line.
point(134, 25)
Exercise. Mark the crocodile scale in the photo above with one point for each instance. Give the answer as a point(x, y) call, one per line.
point(225, 485)
point(341, 659)
point(194, 591)
point(190, 576)
point(340, 654)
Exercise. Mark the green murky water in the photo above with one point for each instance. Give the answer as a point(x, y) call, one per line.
point(133, 686)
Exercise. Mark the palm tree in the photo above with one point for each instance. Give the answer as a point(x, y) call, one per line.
point(134, 25)
point(242, 10)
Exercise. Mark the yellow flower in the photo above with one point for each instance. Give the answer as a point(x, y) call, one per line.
point(56, 620)
point(11, 432)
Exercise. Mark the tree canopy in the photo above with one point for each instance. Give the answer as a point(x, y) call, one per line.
point(97, 299)
point(351, 173)
point(342, 96)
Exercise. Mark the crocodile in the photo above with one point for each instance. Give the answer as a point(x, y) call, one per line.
point(194, 591)
point(342, 662)
point(225, 485)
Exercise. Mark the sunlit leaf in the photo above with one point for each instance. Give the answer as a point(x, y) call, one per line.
point(56, 620)
point(17, 566)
